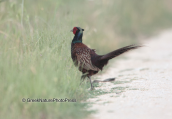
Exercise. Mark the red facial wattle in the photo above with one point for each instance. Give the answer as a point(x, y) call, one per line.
point(74, 30)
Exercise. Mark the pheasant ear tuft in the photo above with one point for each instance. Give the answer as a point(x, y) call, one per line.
point(82, 29)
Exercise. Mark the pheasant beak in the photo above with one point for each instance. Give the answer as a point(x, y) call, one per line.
point(71, 30)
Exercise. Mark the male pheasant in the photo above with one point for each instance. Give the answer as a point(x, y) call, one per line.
point(87, 60)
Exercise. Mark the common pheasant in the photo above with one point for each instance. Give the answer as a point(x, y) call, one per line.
point(87, 60)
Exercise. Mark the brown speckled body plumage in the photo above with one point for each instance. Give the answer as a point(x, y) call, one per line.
point(81, 56)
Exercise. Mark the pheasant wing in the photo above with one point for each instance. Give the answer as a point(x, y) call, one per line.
point(84, 59)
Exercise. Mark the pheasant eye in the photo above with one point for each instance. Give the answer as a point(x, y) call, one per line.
point(74, 30)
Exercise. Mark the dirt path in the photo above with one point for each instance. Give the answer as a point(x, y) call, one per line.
point(143, 86)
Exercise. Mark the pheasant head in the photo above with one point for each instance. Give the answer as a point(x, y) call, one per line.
point(78, 32)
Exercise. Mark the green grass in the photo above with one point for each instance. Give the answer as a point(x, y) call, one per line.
point(35, 42)
point(35, 63)
point(116, 23)
point(42, 69)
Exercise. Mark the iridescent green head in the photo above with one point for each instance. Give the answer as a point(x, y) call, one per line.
point(78, 32)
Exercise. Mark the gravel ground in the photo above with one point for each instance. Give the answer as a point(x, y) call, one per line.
point(143, 86)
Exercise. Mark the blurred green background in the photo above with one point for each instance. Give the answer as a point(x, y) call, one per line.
point(35, 48)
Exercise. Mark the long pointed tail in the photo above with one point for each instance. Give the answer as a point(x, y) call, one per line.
point(119, 52)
